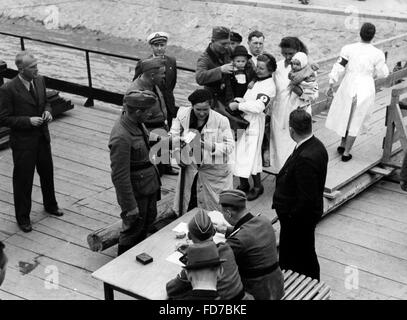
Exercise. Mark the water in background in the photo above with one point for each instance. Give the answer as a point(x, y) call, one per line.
point(108, 73)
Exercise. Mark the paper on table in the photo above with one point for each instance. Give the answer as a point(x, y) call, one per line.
point(174, 258)
point(217, 218)
point(219, 237)
point(181, 227)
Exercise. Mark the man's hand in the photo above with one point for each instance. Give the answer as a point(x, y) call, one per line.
point(177, 155)
point(403, 185)
point(233, 106)
point(330, 92)
point(36, 121)
point(227, 68)
point(297, 90)
point(46, 116)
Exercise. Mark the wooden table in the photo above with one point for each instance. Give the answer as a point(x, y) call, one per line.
point(126, 275)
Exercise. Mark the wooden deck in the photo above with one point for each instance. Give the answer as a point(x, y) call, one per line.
point(369, 232)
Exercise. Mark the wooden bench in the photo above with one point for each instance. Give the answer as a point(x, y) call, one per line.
point(299, 287)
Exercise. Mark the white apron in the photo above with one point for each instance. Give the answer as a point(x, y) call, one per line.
point(248, 160)
point(365, 62)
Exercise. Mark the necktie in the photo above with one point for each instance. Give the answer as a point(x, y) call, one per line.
point(33, 93)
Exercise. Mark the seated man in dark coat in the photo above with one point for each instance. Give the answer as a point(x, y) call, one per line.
point(253, 242)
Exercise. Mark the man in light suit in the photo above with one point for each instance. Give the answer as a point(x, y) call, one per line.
point(24, 108)
point(298, 198)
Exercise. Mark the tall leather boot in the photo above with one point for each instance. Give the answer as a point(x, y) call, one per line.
point(257, 190)
point(122, 249)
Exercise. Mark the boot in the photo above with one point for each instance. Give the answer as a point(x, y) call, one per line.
point(122, 249)
point(257, 190)
point(244, 185)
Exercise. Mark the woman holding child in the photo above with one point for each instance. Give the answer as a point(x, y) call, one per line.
point(296, 87)
point(248, 160)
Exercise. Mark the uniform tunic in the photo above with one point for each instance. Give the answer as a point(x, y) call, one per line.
point(248, 159)
point(253, 242)
point(365, 62)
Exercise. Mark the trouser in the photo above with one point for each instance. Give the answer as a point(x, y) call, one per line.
point(135, 228)
point(266, 287)
point(25, 162)
point(297, 248)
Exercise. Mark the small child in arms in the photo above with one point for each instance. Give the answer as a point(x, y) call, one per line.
point(303, 78)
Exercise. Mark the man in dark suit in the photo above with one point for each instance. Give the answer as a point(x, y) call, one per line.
point(158, 43)
point(24, 108)
point(298, 198)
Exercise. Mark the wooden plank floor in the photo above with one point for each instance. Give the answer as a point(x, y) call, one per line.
point(369, 232)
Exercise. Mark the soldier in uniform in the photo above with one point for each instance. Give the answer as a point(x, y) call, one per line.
point(135, 177)
point(158, 42)
point(151, 78)
point(253, 242)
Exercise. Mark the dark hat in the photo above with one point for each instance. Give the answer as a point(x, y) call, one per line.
point(159, 36)
point(140, 99)
point(152, 63)
point(200, 226)
point(200, 95)
point(220, 33)
point(240, 51)
point(236, 198)
point(234, 36)
point(203, 255)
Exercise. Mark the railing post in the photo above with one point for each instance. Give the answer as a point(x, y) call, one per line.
point(89, 101)
point(22, 43)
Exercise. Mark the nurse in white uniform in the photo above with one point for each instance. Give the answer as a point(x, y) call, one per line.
point(248, 160)
point(359, 64)
point(281, 144)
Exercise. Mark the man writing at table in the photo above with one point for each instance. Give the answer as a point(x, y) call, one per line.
point(229, 286)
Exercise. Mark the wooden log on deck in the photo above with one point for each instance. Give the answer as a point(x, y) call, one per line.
point(107, 237)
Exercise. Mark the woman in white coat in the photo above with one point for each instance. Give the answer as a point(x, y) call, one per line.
point(281, 144)
point(353, 103)
point(248, 161)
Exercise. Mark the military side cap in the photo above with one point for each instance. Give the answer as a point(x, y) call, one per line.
point(236, 198)
point(157, 37)
point(140, 99)
point(220, 33)
point(200, 226)
point(152, 63)
point(199, 96)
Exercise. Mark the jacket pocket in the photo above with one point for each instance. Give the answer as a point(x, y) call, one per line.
point(145, 182)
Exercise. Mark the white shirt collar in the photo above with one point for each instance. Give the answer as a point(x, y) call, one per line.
point(25, 82)
point(302, 141)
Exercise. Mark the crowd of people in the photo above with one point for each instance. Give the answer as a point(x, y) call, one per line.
point(251, 111)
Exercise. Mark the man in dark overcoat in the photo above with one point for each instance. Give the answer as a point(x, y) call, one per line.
point(298, 198)
point(25, 110)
